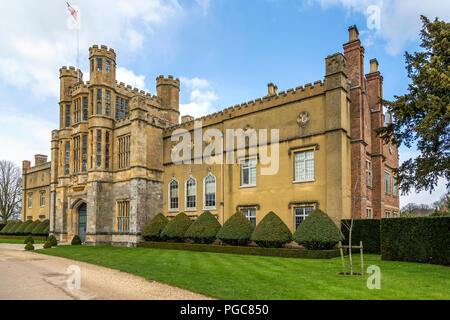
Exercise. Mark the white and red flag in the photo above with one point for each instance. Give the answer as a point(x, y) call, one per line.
point(73, 19)
point(72, 11)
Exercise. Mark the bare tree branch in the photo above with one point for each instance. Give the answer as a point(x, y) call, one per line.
point(10, 190)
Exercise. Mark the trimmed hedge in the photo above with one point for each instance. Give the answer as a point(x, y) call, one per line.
point(204, 229)
point(31, 226)
point(237, 230)
point(271, 232)
point(176, 228)
point(152, 231)
point(29, 246)
point(8, 227)
point(425, 240)
point(365, 230)
point(318, 232)
point(21, 230)
point(257, 251)
point(40, 238)
point(14, 229)
point(42, 229)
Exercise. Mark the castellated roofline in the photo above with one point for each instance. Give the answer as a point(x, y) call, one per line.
point(259, 104)
point(160, 80)
point(70, 71)
point(103, 50)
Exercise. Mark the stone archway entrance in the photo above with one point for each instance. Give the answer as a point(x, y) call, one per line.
point(82, 219)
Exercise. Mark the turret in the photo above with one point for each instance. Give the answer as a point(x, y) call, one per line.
point(168, 90)
point(102, 65)
point(67, 79)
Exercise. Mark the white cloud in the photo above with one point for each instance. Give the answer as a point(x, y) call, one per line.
point(202, 97)
point(36, 41)
point(400, 20)
point(195, 83)
point(23, 135)
point(204, 5)
point(129, 78)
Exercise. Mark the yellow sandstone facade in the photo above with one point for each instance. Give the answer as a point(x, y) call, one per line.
point(113, 169)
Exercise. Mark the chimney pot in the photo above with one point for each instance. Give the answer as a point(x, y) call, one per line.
point(272, 89)
point(374, 65)
point(353, 33)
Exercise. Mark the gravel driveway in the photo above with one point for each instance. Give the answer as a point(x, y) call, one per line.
point(29, 276)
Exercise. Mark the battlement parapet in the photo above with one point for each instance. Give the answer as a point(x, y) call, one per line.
point(102, 51)
point(167, 81)
point(70, 71)
point(259, 104)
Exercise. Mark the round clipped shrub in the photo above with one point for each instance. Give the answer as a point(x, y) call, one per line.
point(29, 228)
point(41, 229)
point(318, 232)
point(29, 246)
point(236, 231)
point(29, 239)
point(52, 240)
point(8, 227)
point(204, 229)
point(152, 231)
point(176, 228)
point(271, 232)
point(21, 230)
point(76, 241)
point(47, 245)
point(13, 229)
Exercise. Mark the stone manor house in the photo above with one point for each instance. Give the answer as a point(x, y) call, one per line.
point(111, 168)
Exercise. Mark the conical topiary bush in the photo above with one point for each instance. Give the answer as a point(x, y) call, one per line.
point(271, 232)
point(76, 241)
point(318, 232)
point(47, 245)
point(236, 231)
point(29, 246)
point(52, 240)
point(204, 229)
point(152, 231)
point(29, 239)
point(176, 228)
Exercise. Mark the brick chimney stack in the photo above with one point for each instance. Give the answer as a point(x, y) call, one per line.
point(40, 159)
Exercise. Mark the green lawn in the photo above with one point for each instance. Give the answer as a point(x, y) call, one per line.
point(229, 276)
point(18, 241)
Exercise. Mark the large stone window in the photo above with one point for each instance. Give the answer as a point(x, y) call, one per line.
point(209, 192)
point(123, 216)
point(99, 149)
point(191, 194)
point(301, 213)
point(304, 166)
point(124, 151)
point(250, 214)
point(173, 195)
point(248, 172)
point(67, 159)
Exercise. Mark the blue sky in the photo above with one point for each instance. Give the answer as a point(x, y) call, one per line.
point(224, 51)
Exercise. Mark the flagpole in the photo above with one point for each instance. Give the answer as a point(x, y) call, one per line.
point(78, 54)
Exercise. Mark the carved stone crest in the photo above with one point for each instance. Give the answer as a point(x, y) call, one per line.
point(303, 119)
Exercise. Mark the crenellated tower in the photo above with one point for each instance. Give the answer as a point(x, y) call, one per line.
point(102, 65)
point(168, 90)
